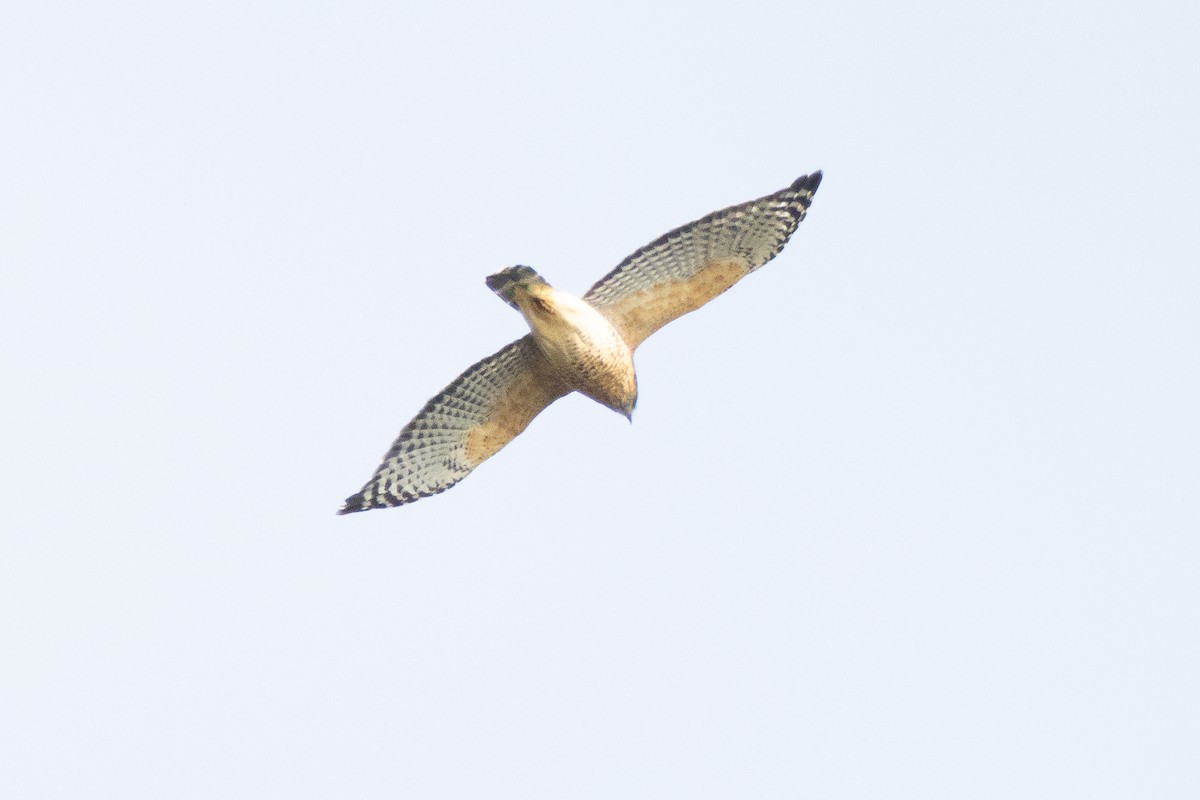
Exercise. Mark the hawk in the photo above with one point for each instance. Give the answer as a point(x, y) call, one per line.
point(578, 344)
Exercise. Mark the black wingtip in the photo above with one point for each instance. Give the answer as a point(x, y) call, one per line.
point(808, 182)
point(353, 503)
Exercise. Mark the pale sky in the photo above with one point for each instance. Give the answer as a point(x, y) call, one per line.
point(909, 513)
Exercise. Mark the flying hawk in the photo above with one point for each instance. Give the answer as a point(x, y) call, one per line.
point(578, 344)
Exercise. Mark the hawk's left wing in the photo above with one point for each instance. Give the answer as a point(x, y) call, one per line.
point(468, 421)
point(684, 269)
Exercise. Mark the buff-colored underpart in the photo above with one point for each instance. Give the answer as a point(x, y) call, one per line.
point(581, 345)
point(639, 315)
point(528, 393)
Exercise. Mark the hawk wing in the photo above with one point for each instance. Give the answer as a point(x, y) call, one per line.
point(469, 421)
point(684, 269)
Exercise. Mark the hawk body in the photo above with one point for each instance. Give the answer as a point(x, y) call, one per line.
point(582, 346)
point(578, 344)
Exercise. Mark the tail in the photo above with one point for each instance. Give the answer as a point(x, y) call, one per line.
point(506, 282)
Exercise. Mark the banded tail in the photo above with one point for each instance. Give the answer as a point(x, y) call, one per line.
point(506, 282)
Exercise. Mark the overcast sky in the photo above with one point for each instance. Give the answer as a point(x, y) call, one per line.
point(909, 513)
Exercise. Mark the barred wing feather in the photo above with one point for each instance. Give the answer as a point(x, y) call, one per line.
point(684, 269)
point(465, 424)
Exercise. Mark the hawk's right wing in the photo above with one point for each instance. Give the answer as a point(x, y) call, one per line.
point(684, 269)
point(471, 419)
